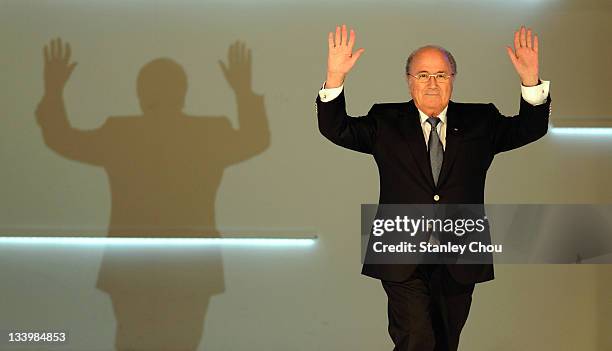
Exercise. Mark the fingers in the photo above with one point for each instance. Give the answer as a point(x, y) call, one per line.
point(232, 54)
point(529, 45)
point(67, 54)
point(223, 68)
point(71, 68)
point(511, 55)
point(517, 43)
point(245, 54)
point(351, 41)
point(237, 54)
point(526, 38)
point(342, 37)
point(357, 54)
point(53, 48)
point(60, 49)
point(522, 37)
point(242, 52)
point(56, 51)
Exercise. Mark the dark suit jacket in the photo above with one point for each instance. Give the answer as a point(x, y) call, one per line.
point(392, 133)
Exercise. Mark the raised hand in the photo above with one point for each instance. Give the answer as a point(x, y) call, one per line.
point(238, 71)
point(524, 57)
point(340, 58)
point(57, 66)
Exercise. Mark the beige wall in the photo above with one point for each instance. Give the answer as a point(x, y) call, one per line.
point(312, 299)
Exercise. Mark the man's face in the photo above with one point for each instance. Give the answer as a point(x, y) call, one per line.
point(431, 96)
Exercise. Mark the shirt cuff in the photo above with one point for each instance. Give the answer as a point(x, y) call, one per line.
point(536, 95)
point(329, 94)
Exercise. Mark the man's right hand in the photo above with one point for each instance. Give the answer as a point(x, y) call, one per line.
point(340, 59)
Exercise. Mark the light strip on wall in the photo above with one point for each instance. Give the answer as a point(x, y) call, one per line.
point(587, 127)
point(160, 242)
point(581, 131)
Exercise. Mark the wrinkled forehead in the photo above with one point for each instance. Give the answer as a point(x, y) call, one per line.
point(430, 60)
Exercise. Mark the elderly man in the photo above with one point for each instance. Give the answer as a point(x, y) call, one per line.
point(431, 150)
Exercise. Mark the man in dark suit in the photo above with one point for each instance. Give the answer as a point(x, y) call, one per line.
point(431, 150)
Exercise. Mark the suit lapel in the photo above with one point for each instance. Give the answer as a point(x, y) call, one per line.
point(413, 132)
point(454, 134)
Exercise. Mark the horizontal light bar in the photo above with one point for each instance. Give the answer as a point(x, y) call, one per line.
point(601, 126)
point(581, 131)
point(159, 242)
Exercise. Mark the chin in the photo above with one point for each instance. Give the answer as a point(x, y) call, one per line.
point(432, 104)
point(432, 100)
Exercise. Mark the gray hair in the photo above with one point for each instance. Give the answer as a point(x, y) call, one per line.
point(446, 53)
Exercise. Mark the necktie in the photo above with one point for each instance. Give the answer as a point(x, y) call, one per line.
point(436, 150)
point(436, 154)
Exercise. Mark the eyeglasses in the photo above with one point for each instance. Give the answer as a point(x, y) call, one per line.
point(423, 77)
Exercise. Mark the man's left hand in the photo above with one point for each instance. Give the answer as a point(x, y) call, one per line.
point(524, 57)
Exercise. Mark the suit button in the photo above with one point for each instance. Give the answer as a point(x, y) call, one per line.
point(436, 197)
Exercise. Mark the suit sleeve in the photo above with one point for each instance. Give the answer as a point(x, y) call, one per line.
point(89, 146)
point(529, 125)
point(355, 133)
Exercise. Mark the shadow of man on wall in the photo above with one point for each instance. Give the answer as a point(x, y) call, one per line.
point(164, 169)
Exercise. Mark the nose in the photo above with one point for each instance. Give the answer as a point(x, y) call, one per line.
point(432, 82)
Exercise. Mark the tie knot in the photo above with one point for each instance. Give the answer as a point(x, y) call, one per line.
point(433, 121)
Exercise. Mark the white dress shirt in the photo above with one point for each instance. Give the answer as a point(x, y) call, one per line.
point(535, 95)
